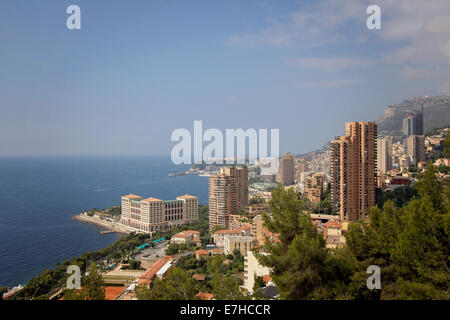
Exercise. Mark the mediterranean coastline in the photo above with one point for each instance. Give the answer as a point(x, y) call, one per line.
point(41, 195)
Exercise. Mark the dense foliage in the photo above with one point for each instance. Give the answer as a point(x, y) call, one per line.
point(92, 287)
point(408, 239)
point(302, 267)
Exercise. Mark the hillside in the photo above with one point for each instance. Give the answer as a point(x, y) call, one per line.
point(436, 114)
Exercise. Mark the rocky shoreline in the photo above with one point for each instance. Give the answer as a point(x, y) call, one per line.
point(107, 226)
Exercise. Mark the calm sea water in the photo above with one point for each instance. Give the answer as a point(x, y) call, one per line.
point(38, 197)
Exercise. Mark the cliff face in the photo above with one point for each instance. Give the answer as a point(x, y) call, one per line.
point(436, 114)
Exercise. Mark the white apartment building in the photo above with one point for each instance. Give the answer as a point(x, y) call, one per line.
point(220, 235)
point(252, 268)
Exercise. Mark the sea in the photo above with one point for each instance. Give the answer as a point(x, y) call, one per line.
point(39, 196)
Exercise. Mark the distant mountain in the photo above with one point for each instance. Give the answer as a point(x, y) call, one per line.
point(436, 114)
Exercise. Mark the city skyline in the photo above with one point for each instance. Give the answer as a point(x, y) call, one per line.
point(136, 72)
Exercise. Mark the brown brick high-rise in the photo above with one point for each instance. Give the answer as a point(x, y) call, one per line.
point(353, 171)
point(228, 194)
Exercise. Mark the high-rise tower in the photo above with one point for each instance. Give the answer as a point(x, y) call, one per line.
point(353, 171)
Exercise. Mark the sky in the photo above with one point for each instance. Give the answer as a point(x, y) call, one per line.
point(138, 70)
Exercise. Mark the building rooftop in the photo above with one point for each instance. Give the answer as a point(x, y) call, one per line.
point(205, 296)
point(187, 196)
point(333, 224)
point(227, 232)
point(241, 238)
point(191, 231)
point(147, 276)
point(181, 235)
point(199, 277)
point(152, 200)
point(131, 196)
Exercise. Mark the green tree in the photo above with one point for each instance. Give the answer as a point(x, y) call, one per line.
point(410, 244)
point(430, 187)
point(447, 145)
point(302, 267)
point(227, 287)
point(258, 287)
point(177, 286)
point(93, 285)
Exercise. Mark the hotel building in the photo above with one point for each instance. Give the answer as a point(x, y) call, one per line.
point(151, 214)
point(353, 171)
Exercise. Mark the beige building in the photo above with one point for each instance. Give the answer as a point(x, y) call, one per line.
point(314, 188)
point(260, 232)
point(384, 155)
point(151, 214)
point(353, 171)
point(252, 268)
point(187, 236)
point(332, 233)
point(241, 243)
point(258, 209)
point(415, 149)
point(286, 173)
point(219, 236)
point(228, 194)
point(301, 168)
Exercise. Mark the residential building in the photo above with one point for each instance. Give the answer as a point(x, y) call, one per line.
point(314, 188)
point(286, 172)
point(413, 124)
point(241, 243)
point(151, 214)
point(384, 155)
point(187, 236)
point(353, 171)
point(201, 254)
point(257, 209)
point(228, 194)
point(332, 233)
point(253, 268)
point(415, 148)
point(260, 232)
point(301, 168)
point(220, 235)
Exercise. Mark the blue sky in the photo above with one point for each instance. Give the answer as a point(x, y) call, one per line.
point(137, 70)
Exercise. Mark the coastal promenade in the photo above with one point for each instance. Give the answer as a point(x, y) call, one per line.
point(108, 226)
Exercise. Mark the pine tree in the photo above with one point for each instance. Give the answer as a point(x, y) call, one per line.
point(178, 285)
point(93, 285)
point(302, 267)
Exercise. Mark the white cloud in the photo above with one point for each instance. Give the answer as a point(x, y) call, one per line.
point(414, 42)
point(331, 84)
point(330, 64)
point(316, 23)
point(417, 73)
